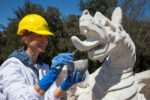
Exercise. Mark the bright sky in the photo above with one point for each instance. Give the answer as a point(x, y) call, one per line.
point(66, 7)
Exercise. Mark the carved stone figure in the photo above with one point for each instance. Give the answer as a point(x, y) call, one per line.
point(107, 42)
point(107, 39)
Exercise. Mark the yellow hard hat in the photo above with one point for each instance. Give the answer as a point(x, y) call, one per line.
point(34, 23)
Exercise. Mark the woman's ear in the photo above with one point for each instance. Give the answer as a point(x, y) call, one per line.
point(26, 40)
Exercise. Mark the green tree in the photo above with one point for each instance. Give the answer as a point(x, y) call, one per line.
point(53, 17)
point(104, 6)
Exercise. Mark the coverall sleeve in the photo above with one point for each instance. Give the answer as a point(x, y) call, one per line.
point(14, 84)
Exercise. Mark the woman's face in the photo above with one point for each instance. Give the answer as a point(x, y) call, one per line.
point(37, 43)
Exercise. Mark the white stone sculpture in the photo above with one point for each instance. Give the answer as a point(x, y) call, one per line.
point(107, 42)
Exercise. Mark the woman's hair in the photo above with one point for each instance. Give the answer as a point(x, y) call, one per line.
point(25, 37)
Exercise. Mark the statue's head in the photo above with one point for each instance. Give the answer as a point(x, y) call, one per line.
point(102, 35)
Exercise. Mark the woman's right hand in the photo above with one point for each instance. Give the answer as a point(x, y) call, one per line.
point(59, 61)
point(57, 64)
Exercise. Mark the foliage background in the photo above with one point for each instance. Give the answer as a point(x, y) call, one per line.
point(134, 22)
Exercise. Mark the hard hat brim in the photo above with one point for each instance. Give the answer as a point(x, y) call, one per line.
point(37, 32)
point(43, 32)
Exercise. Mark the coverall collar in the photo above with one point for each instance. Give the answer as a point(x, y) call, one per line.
point(25, 59)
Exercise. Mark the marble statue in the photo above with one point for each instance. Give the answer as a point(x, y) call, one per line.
point(107, 42)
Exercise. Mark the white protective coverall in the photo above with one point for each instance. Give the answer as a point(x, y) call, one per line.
point(17, 81)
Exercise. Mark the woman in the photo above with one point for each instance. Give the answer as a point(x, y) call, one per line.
point(24, 76)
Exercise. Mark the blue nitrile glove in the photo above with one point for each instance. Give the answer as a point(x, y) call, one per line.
point(72, 79)
point(56, 68)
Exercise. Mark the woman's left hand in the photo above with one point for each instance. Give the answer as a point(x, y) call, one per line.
point(72, 79)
